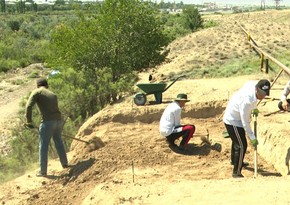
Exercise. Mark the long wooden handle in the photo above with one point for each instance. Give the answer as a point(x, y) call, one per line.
point(270, 113)
point(255, 150)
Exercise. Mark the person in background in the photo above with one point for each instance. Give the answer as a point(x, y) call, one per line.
point(237, 119)
point(170, 126)
point(284, 102)
point(51, 124)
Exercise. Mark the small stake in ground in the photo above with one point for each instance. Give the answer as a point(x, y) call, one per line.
point(133, 174)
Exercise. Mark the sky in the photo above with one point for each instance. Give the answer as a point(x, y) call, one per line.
point(232, 2)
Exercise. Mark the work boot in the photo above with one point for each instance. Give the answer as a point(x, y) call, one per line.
point(66, 166)
point(236, 175)
point(170, 142)
point(182, 147)
point(41, 174)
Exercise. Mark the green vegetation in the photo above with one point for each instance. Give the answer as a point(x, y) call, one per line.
point(24, 39)
point(193, 19)
point(105, 51)
point(234, 67)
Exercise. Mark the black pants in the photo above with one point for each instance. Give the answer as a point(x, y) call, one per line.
point(239, 146)
point(280, 105)
point(184, 131)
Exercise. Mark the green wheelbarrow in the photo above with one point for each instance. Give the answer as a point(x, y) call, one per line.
point(151, 88)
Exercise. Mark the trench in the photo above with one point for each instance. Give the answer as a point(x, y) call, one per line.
point(273, 150)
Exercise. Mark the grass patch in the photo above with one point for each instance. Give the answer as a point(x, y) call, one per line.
point(33, 74)
point(18, 82)
point(226, 69)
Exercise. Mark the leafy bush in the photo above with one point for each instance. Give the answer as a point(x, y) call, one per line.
point(14, 25)
point(193, 18)
point(6, 65)
point(210, 23)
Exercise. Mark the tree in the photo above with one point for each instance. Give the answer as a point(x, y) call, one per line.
point(193, 18)
point(20, 6)
point(108, 45)
point(3, 6)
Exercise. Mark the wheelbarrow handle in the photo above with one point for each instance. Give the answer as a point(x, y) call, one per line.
point(173, 82)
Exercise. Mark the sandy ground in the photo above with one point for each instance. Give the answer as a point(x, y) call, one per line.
point(136, 166)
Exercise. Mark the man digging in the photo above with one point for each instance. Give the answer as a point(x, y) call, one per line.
point(170, 126)
point(237, 119)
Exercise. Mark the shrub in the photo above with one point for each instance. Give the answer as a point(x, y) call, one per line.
point(14, 25)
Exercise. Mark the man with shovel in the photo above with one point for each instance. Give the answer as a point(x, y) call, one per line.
point(237, 120)
point(51, 124)
point(284, 102)
point(170, 126)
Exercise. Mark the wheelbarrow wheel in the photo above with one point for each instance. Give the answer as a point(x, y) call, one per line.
point(140, 99)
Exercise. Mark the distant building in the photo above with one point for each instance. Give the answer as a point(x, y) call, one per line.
point(209, 5)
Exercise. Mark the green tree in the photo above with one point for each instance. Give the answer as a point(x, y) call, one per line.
point(108, 47)
point(192, 17)
point(20, 6)
point(3, 6)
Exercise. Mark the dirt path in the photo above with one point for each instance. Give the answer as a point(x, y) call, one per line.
point(9, 106)
point(14, 87)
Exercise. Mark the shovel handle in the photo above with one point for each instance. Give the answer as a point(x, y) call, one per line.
point(76, 139)
point(255, 149)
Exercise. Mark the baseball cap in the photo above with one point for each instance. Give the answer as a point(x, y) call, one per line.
point(263, 87)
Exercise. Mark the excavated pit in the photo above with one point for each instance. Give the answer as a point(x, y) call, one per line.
point(133, 128)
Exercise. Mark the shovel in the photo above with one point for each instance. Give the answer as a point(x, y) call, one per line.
point(205, 139)
point(255, 149)
point(93, 144)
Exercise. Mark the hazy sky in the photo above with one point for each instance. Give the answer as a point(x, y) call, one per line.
point(232, 2)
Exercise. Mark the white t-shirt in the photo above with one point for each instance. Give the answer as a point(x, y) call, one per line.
point(170, 118)
point(240, 106)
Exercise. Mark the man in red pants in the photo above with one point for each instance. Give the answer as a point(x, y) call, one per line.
point(170, 126)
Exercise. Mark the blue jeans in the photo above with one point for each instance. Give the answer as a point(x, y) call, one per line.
point(48, 129)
